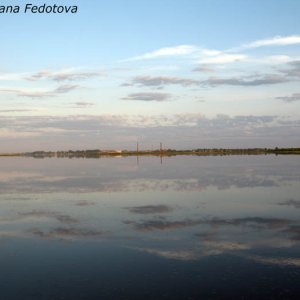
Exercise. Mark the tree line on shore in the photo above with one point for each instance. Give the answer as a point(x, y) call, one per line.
point(96, 153)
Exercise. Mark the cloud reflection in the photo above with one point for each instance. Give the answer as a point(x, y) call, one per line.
point(254, 222)
point(67, 233)
point(152, 225)
point(294, 231)
point(65, 219)
point(185, 255)
point(85, 203)
point(235, 236)
point(280, 261)
point(235, 172)
point(291, 202)
point(149, 209)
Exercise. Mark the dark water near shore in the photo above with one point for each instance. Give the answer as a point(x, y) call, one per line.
point(118, 228)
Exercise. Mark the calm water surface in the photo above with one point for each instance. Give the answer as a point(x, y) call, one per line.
point(118, 228)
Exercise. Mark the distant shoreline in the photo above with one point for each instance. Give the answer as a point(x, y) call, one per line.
point(167, 152)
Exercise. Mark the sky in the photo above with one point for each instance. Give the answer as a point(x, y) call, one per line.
point(188, 73)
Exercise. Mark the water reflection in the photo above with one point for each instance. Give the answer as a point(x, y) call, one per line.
point(68, 233)
point(149, 209)
point(117, 175)
point(291, 202)
point(184, 214)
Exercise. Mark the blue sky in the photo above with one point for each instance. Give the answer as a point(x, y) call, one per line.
point(190, 73)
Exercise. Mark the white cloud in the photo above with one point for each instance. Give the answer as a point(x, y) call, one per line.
point(222, 58)
point(202, 55)
point(214, 56)
point(39, 93)
point(275, 41)
point(12, 76)
point(271, 60)
point(210, 52)
point(167, 51)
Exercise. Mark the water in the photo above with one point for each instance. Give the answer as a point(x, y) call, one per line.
point(121, 228)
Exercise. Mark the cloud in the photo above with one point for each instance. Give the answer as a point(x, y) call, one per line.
point(14, 134)
point(11, 76)
point(62, 89)
point(253, 80)
point(149, 209)
point(35, 94)
point(213, 56)
point(121, 130)
point(161, 81)
point(295, 64)
point(167, 51)
point(92, 124)
point(272, 59)
point(148, 97)
point(64, 75)
point(275, 41)
point(209, 56)
point(292, 98)
point(82, 104)
point(223, 58)
point(247, 81)
point(15, 110)
point(289, 74)
point(294, 69)
point(204, 69)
